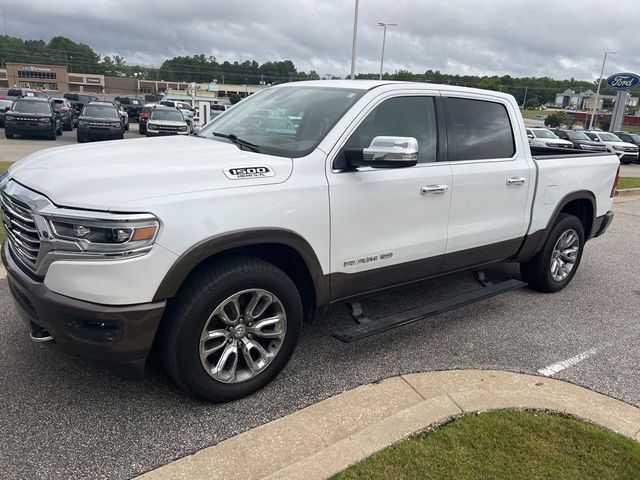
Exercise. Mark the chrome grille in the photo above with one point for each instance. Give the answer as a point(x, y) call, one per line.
point(21, 229)
point(630, 149)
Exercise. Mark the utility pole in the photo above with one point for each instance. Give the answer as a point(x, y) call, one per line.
point(524, 102)
point(595, 104)
point(384, 39)
point(353, 46)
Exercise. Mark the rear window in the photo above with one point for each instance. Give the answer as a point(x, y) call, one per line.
point(478, 130)
point(25, 106)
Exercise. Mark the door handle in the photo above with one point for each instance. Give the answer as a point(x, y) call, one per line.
point(516, 181)
point(433, 189)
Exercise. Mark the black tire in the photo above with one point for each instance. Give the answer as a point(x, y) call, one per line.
point(8, 134)
point(190, 311)
point(537, 271)
point(53, 134)
point(142, 131)
point(80, 138)
point(126, 127)
point(68, 127)
point(59, 130)
point(121, 137)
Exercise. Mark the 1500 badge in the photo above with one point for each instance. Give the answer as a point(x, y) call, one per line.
point(248, 172)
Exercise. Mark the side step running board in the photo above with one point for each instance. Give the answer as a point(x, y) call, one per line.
point(373, 327)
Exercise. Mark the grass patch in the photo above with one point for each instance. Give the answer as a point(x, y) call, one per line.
point(506, 444)
point(628, 182)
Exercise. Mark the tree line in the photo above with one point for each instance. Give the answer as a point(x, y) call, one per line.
point(81, 58)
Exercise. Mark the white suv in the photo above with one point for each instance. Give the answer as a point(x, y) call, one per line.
point(542, 137)
point(166, 121)
point(627, 152)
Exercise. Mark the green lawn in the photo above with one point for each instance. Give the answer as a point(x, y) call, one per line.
point(628, 182)
point(505, 445)
point(3, 167)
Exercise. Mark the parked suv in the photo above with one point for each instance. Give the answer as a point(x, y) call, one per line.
point(580, 140)
point(543, 137)
point(5, 106)
point(627, 152)
point(166, 121)
point(68, 114)
point(25, 92)
point(188, 112)
point(629, 138)
point(99, 121)
point(33, 116)
point(132, 106)
point(78, 100)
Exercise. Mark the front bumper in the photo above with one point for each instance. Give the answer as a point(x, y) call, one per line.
point(627, 156)
point(163, 133)
point(113, 334)
point(28, 129)
point(100, 132)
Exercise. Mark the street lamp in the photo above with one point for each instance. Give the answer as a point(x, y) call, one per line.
point(595, 104)
point(384, 38)
point(353, 46)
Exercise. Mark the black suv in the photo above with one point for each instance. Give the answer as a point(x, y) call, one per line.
point(99, 121)
point(78, 100)
point(132, 106)
point(33, 116)
point(580, 140)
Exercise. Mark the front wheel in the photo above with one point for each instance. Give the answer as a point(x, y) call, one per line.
point(555, 265)
point(231, 329)
point(8, 134)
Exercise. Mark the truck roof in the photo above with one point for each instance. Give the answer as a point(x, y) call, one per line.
point(371, 84)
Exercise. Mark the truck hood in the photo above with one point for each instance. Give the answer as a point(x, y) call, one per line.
point(108, 175)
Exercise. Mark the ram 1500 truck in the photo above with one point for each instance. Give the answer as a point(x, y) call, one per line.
point(215, 248)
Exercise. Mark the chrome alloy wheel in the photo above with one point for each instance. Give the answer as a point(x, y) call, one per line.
point(243, 336)
point(564, 255)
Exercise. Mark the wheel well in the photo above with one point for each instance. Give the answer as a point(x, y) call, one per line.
point(581, 208)
point(282, 256)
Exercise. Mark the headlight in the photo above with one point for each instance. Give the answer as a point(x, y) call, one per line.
point(151, 126)
point(82, 123)
point(183, 129)
point(121, 237)
point(618, 147)
point(45, 120)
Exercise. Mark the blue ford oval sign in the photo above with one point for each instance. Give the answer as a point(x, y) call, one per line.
point(623, 81)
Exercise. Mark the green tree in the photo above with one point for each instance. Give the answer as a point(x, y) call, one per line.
point(234, 98)
point(555, 120)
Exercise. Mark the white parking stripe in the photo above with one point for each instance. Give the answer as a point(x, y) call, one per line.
point(554, 368)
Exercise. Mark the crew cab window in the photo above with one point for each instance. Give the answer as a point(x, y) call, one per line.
point(478, 130)
point(401, 117)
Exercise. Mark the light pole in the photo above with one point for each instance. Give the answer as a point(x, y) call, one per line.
point(353, 46)
point(384, 39)
point(595, 104)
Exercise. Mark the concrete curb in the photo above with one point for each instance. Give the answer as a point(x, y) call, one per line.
point(628, 191)
point(327, 437)
point(3, 272)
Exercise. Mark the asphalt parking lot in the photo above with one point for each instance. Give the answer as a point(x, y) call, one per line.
point(63, 417)
point(19, 146)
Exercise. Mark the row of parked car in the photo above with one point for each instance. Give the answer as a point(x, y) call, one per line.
point(624, 144)
point(34, 113)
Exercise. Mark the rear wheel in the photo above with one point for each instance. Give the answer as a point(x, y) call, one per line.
point(68, 126)
point(53, 134)
point(555, 265)
point(231, 329)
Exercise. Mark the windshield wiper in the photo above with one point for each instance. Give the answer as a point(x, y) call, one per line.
point(238, 141)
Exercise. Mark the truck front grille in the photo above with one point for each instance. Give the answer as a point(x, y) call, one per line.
point(22, 233)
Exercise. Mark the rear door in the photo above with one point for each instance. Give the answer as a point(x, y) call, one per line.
point(389, 225)
point(491, 180)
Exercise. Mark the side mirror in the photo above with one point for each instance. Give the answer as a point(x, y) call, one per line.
point(530, 135)
point(385, 152)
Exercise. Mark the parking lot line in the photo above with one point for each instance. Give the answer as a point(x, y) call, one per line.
point(557, 367)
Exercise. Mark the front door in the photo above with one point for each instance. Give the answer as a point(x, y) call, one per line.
point(389, 225)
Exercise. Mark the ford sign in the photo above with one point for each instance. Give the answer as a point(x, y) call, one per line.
point(623, 81)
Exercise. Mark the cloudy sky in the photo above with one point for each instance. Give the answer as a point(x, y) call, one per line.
point(559, 38)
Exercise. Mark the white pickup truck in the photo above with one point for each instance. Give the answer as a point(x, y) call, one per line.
point(215, 248)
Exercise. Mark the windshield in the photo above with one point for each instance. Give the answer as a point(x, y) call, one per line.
point(609, 137)
point(265, 119)
point(167, 115)
point(25, 106)
point(544, 134)
point(634, 137)
point(576, 135)
point(100, 111)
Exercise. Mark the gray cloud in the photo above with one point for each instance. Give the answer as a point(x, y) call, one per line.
point(560, 39)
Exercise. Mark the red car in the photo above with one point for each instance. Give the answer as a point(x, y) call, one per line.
point(144, 117)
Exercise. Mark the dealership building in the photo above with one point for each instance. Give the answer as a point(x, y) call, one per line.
point(58, 79)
